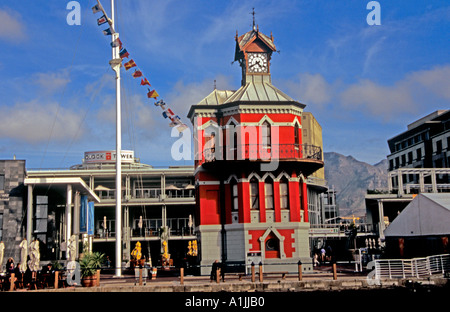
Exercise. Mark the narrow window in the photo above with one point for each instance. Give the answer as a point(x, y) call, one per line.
point(297, 135)
point(234, 192)
point(254, 194)
point(284, 194)
point(268, 189)
point(266, 134)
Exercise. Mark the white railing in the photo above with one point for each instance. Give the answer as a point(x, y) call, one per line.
point(416, 267)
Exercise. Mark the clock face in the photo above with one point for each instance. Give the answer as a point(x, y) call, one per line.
point(257, 63)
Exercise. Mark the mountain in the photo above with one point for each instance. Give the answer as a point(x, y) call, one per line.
point(351, 179)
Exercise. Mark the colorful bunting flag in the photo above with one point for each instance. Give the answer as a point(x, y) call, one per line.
point(107, 32)
point(137, 73)
point(144, 82)
point(124, 53)
point(152, 94)
point(182, 127)
point(160, 103)
point(97, 8)
point(167, 113)
point(129, 64)
point(116, 43)
point(102, 20)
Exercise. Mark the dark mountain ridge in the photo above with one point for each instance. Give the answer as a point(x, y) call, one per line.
point(351, 179)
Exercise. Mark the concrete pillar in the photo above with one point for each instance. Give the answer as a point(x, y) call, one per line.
point(421, 182)
point(433, 181)
point(390, 182)
point(400, 183)
point(381, 216)
point(68, 212)
point(76, 219)
point(30, 214)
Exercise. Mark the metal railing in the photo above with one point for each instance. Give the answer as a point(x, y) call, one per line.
point(263, 152)
point(412, 268)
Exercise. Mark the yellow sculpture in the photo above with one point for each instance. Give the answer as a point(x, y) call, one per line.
point(136, 253)
point(192, 248)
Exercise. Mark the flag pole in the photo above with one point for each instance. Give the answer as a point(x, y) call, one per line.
point(116, 63)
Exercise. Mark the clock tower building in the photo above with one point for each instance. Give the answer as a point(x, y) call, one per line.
point(251, 168)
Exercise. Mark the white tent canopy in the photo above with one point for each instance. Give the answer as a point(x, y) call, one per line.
point(427, 214)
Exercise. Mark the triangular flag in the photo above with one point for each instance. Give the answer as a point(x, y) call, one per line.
point(107, 32)
point(152, 94)
point(97, 8)
point(137, 73)
point(102, 20)
point(144, 82)
point(124, 53)
point(129, 64)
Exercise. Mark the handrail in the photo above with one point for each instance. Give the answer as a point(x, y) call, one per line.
point(413, 268)
point(263, 152)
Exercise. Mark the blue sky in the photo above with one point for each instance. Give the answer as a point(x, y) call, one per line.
point(363, 83)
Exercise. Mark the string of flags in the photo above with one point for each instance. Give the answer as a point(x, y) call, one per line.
point(167, 113)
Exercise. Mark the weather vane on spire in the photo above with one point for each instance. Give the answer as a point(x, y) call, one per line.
point(253, 13)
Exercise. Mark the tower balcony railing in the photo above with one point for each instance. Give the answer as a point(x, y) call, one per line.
point(263, 152)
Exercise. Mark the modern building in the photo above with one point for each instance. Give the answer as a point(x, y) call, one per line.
point(252, 167)
point(158, 205)
point(425, 144)
point(418, 163)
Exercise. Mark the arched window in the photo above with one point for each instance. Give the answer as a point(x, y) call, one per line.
point(234, 195)
point(272, 246)
point(231, 141)
point(296, 135)
point(254, 194)
point(284, 194)
point(209, 149)
point(266, 134)
point(268, 189)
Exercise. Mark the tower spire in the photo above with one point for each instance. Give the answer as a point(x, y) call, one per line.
point(253, 13)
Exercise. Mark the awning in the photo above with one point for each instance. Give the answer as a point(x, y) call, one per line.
point(78, 184)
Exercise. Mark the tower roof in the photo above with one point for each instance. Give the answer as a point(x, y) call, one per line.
point(259, 89)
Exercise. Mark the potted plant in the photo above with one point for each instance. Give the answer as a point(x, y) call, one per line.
point(89, 265)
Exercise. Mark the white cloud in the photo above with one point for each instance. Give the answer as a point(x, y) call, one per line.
point(12, 28)
point(311, 89)
point(184, 95)
point(35, 122)
point(416, 92)
point(51, 82)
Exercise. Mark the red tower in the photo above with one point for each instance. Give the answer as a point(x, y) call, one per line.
point(251, 168)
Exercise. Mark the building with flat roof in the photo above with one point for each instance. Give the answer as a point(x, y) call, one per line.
point(158, 205)
point(419, 162)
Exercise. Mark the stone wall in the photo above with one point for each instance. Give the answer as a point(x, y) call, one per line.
point(12, 207)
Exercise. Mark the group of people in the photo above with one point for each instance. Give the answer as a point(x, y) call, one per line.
point(23, 278)
point(322, 255)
